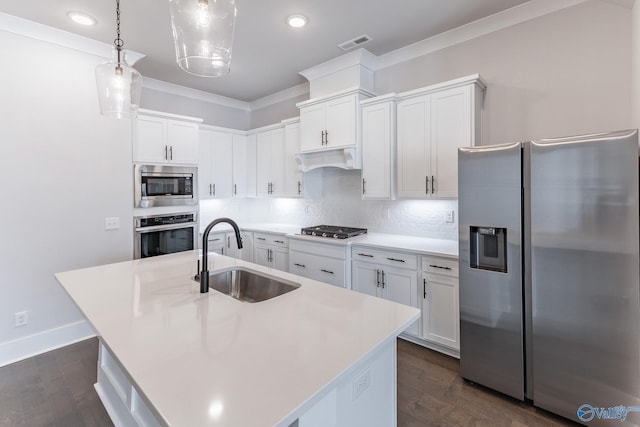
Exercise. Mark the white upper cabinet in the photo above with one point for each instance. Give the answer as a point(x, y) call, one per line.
point(239, 187)
point(329, 123)
point(215, 171)
point(432, 123)
point(293, 178)
point(165, 138)
point(378, 147)
point(270, 148)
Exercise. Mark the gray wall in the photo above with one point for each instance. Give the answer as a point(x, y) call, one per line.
point(561, 74)
point(276, 112)
point(212, 114)
point(64, 168)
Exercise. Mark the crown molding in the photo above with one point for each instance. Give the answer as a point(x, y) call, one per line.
point(198, 95)
point(283, 95)
point(34, 30)
point(507, 18)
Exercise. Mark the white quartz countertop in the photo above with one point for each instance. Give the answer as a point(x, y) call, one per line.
point(257, 364)
point(421, 245)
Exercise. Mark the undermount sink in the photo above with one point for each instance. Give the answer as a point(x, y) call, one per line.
point(248, 285)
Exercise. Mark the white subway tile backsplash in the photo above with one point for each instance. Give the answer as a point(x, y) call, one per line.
point(341, 204)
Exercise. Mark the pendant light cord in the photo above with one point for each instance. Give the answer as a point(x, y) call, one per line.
point(118, 42)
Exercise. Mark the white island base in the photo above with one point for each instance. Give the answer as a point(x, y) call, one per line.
point(170, 356)
point(365, 395)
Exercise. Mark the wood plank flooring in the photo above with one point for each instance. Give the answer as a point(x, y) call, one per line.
point(55, 389)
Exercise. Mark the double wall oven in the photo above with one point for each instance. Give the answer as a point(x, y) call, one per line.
point(165, 201)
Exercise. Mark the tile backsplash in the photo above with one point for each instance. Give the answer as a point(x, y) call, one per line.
point(339, 202)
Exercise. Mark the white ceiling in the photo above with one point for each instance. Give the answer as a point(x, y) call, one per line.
point(267, 54)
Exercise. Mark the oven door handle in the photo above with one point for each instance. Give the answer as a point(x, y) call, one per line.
point(165, 227)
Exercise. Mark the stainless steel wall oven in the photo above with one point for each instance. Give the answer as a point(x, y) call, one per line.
point(164, 234)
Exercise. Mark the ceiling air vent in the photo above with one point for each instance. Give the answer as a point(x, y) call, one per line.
point(360, 40)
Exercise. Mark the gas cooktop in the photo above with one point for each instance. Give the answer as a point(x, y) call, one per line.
point(333, 231)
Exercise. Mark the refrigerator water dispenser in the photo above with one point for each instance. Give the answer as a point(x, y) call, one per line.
point(488, 248)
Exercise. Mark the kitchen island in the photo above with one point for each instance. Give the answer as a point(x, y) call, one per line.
point(170, 356)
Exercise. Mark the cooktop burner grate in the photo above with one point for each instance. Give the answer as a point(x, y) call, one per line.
point(333, 231)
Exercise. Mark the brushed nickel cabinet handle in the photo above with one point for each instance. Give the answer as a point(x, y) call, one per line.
point(433, 180)
point(427, 184)
point(437, 266)
point(299, 265)
point(327, 271)
point(367, 255)
point(396, 259)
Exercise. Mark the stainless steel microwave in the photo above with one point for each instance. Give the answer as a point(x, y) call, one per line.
point(165, 185)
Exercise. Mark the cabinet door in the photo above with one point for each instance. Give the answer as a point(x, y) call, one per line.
point(340, 117)
point(150, 139)
point(182, 139)
point(414, 140)
point(280, 259)
point(262, 256)
point(294, 185)
point(440, 310)
point(377, 151)
point(365, 277)
point(401, 286)
point(312, 127)
point(277, 163)
point(239, 185)
point(246, 253)
point(251, 164)
point(222, 163)
point(205, 167)
point(263, 163)
point(451, 128)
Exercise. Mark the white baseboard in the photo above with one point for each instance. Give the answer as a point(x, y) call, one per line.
point(32, 345)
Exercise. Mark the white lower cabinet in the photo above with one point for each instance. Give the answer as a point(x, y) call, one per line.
point(231, 246)
point(217, 242)
point(389, 275)
point(324, 262)
point(440, 305)
point(271, 250)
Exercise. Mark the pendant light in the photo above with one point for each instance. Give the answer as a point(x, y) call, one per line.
point(119, 85)
point(203, 35)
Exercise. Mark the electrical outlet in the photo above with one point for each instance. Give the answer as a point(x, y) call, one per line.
point(361, 383)
point(21, 318)
point(449, 215)
point(112, 223)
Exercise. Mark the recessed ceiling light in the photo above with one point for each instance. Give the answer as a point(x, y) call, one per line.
point(82, 18)
point(296, 21)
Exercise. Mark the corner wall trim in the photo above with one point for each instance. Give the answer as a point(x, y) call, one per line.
point(41, 342)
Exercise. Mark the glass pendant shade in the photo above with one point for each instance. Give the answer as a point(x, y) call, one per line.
point(119, 87)
point(203, 35)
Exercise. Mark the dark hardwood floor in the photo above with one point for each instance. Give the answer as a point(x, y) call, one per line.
point(53, 389)
point(56, 389)
point(432, 393)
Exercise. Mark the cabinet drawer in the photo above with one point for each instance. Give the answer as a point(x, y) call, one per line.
point(445, 266)
point(271, 239)
point(323, 249)
point(323, 269)
point(395, 259)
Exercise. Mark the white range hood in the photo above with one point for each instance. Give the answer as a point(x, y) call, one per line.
point(343, 158)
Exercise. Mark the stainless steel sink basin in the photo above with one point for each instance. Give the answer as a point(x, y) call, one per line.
point(248, 285)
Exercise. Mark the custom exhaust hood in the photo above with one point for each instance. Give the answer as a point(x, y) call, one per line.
point(343, 158)
point(330, 119)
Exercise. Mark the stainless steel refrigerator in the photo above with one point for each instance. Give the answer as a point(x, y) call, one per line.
point(549, 274)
